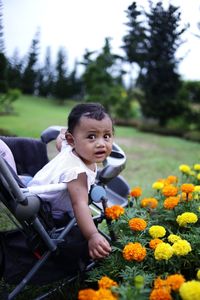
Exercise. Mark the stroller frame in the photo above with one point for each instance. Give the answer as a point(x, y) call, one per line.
point(24, 204)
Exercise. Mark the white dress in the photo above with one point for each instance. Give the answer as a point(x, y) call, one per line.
point(65, 167)
point(6, 153)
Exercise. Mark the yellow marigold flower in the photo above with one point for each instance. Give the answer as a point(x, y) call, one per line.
point(187, 188)
point(185, 169)
point(186, 218)
point(149, 202)
point(157, 185)
point(186, 197)
point(172, 179)
point(175, 281)
point(163, 251)
point(170, 190)
point(137, 224)
point(154, 243)
point(198, 176)
point(160, 294)
point(198, 274)
point(136, 192)
point(114, 212)
point(197, 189)
point(197, 167)
point(196, 195)
point(171, 202)
point(190, 290)
point(106, 283)
point(87, 294)
point(105, 294)
point(181, 247)
point(134, 251)
point(192, 173)
point(172, 238)
point(157, 231)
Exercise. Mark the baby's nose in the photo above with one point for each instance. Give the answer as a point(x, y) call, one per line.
point(100, 143)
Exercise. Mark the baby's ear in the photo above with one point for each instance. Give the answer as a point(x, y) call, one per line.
point(69, 138)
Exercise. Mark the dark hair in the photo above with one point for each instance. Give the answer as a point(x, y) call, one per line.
point(91, 110)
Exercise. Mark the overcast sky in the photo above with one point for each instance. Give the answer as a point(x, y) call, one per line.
point(77, 25)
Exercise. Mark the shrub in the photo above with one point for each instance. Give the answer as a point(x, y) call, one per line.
point(156, 253)
point(6, 100)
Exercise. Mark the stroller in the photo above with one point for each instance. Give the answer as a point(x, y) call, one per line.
point(34, 251)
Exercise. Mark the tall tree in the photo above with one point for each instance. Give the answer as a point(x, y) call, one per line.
point(15, 66)
point(158, 76)
point(135, 41)
point(3, 59)
point(29, 75)
point(61, 81)
point(46, 76)
point(102, 79)
point(75, 84)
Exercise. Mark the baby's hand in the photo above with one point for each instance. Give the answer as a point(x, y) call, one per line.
point(98, 246)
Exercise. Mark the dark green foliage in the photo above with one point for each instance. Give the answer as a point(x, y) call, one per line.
point(103, 81)
point(134, 42)
point(61, 82)
point(29, 75)
point(7, 99)
point(45, 76)
point(191, 90)
point(3, 74)
point(15, 66)
point(154, 51)
point(75, 85)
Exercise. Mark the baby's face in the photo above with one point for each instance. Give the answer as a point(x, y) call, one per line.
point(93, 140)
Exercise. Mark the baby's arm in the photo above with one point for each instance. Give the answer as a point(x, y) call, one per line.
point(60, 138)
point(98, 245)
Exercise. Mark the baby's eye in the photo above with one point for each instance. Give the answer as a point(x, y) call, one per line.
point(91, 136)
point(107, 136)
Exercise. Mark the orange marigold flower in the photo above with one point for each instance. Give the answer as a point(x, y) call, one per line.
point(134, 251)
point(161, 180)
point(170, 190)
point(160, 283)
point(87, 294)
point(114, 212)
point(136, 192)
point(187, 188)
point(160, 294)
point(105, 294)
point(149, 202)
point(175, 281)
point(185, 196)
point(172, 179)
point(106, 283)
point(171, 202)
point(137, 224)
point(154, 243)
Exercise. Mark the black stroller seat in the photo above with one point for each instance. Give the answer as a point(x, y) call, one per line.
point(36, 251)
point(30, 154)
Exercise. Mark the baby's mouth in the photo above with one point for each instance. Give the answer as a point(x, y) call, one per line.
point(100, 153)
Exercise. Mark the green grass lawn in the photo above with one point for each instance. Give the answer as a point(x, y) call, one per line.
point(34, 114)
point(149, 156)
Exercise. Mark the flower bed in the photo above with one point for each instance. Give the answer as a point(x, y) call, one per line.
point(156, 254)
